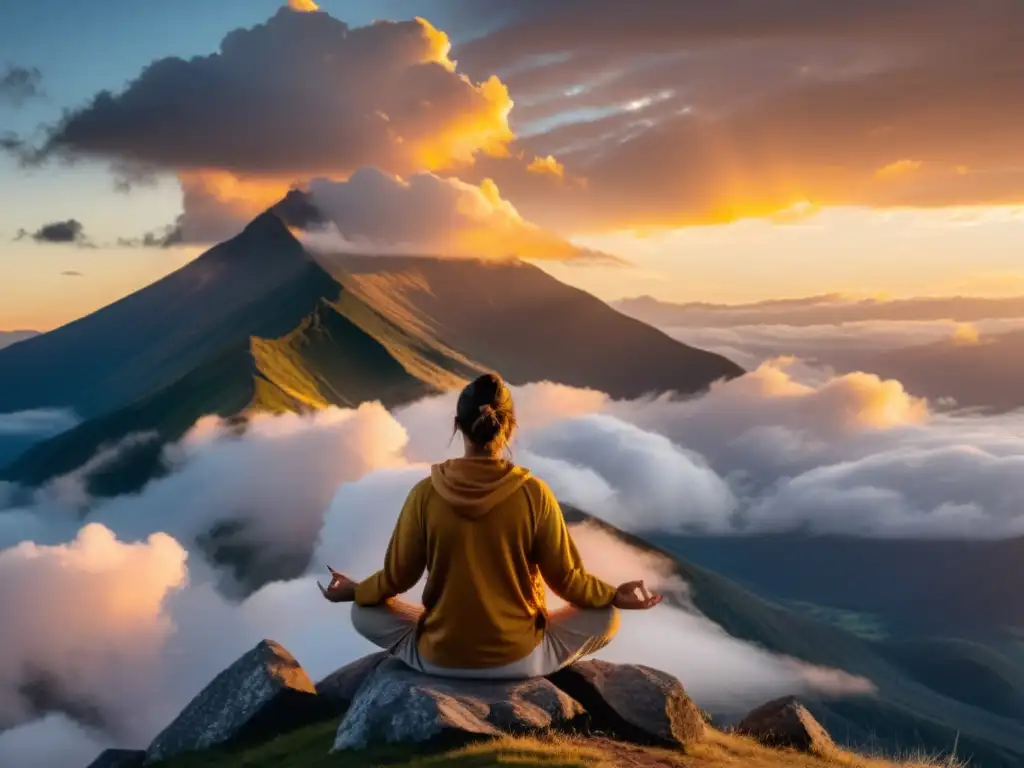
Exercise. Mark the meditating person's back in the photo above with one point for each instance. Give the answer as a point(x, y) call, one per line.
point(489, 535)
point(493, 535)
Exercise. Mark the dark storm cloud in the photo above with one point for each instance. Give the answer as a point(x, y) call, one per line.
point(71, 232)
point(302, 93)
point(20, 84)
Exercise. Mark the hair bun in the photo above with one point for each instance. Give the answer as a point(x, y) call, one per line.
point(485, 413)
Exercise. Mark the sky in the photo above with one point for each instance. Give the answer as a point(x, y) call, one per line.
point(723, 152)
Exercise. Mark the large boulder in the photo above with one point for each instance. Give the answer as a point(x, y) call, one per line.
point(339, 688)
point(398, 705)
point(786, 722)
point(633, 703)
point(119, 758)
point(264, 693)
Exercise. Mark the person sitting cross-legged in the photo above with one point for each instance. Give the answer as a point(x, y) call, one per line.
point(489, 535)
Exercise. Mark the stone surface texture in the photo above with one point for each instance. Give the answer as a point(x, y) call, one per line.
point(786, 722)
point(264, 693)
point(339, 688)
point(633, 703)
point(398, 705)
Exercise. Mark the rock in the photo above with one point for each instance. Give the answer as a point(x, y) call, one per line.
point(263, 694)
point(786, 722)
point(399, 705)
point(119, 758)
point(339, 688)
point(633, 703)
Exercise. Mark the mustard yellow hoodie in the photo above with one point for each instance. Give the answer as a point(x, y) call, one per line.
point(489, 535)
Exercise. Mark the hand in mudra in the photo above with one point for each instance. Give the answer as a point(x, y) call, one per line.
point(634, 596)
point(341, 589)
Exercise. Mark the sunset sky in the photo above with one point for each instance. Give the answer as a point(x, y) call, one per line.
point(725, 152)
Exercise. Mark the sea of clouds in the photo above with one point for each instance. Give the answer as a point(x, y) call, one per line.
point(116, 612)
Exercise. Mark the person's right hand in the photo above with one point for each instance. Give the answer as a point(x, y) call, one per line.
point(634, 596)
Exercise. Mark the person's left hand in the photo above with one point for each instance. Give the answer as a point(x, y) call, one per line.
point(341, 589)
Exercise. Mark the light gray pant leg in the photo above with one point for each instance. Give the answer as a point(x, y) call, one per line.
point(574, 633)
point(390, 625)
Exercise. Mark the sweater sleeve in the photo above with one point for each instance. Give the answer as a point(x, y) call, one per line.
point(559, 561)
point(406, 557)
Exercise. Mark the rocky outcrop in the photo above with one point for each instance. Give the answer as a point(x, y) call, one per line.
point(263, 694)
point(339, 688)
point(786, 722)
point(119, 758)
point(633, 703)
point(398, 705)
point(381, 701)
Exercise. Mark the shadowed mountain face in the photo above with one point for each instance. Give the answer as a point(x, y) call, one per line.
point(950, 588)
point(515, 318)
point(13, 337)
point(931, 693)
point(257, 323)
point(258, 284)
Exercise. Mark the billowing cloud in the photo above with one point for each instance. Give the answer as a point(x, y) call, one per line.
point(86, 659)
point(784, 448)
point(19, 84)
point(329, 99)
point(678, 114)
point(70, 232)
point(425, 214)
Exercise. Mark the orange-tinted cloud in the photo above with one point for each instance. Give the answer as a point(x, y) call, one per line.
point(425, 214)
point(548, 165)
point(303, 6)
point(301, 94)
point(687, 113)
point(898, 168)
point(217, 204)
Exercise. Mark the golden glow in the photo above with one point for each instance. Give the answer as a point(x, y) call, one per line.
point(438, 44)
point(247, 196)
point(303, 6)
point(485, 129)
point(898, 168)
point(547, 165)
point(966, 334)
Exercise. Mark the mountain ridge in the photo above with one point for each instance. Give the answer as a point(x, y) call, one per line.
point(307, 332)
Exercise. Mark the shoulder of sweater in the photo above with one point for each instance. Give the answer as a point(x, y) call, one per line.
point(422, 490)
point(539, 491)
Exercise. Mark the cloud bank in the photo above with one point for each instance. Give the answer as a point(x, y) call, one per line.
point(233, 538)
point(425, 214)
point(330, 98)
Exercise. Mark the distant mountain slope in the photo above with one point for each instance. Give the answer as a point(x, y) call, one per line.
point(257, 323)
point(13, 337)
point(925, 701)
point(261, 283)
point(910, 584)
point(828, 309)
point(517, 319)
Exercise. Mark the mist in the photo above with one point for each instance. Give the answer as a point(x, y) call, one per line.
point(172, 584)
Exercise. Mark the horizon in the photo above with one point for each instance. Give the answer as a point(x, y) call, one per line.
point(740, 284)
point(547, 137)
